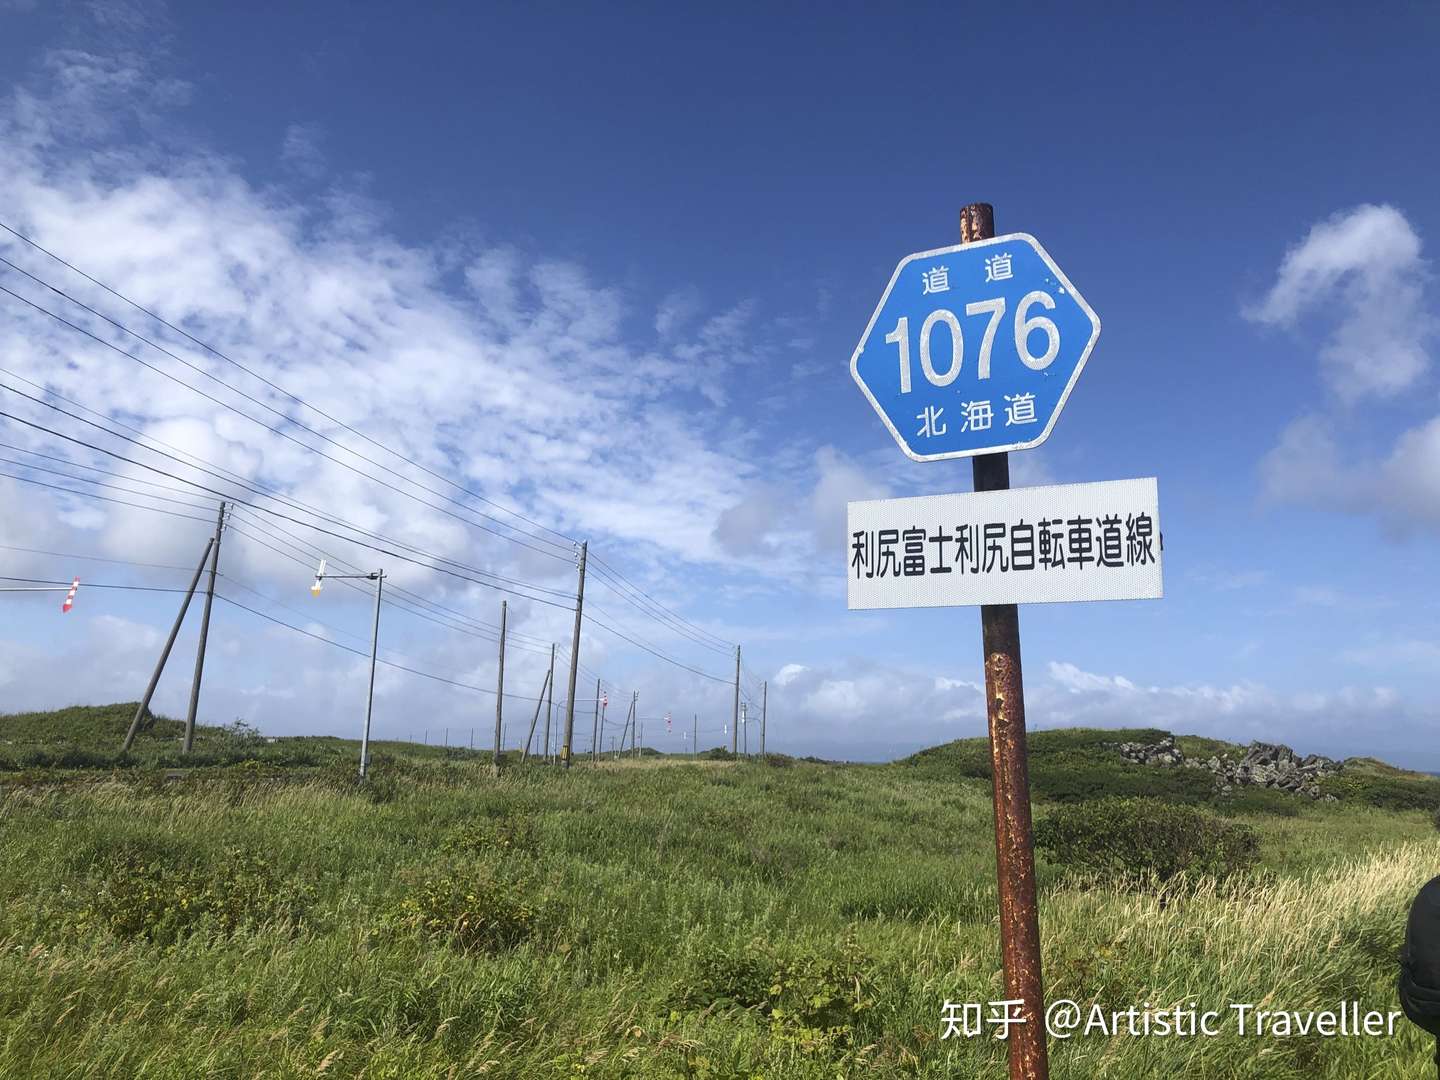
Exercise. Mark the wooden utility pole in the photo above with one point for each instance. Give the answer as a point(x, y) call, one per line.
point(499, 694)
point(764, 710)
point(574, 660)
point(1014, 838)
point(204, 636)
point(735, 712)
point(379, 578)
point(595, 729)
point(539, 701)
point(165, 652)
point(694, 737)
point(549, 703)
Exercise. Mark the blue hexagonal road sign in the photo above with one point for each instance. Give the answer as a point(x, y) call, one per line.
point(974, 349)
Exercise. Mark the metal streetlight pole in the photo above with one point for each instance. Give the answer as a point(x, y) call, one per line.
point(377, 576)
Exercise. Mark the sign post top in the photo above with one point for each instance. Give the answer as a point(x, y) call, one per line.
point(974, 349)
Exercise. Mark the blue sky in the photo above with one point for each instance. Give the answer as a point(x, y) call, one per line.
point(609, 266)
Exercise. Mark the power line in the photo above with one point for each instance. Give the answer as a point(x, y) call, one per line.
point(256, 375)
point(100, 483)
point(606, 574)
point(287, 517)
point(141, 439)
point(652, 650)
point(93, 558)
point(97, 585)
point(280, 534)
point(289, 626)
point(388, 601)
point(610, 576)
point(103, 498)
point(380, 659)
point(235, 581)
point(650, 647)
point(90, 468)
point(655, 652)
point(409, 602)
point(261, 423)
point(619, 583)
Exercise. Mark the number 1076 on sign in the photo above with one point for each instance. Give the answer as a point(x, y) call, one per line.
point(999, 336)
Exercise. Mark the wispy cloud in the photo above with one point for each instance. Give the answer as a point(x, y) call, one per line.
point(1361, 269)
point(527, 382)
point(1361, 278)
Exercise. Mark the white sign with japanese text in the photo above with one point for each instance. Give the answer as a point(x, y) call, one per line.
point(1041, 545)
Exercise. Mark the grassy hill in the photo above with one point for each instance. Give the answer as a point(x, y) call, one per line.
point(89, 737)
point(655, 919)
point(1076, 764)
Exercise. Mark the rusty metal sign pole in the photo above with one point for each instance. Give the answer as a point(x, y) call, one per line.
point(1014, 840)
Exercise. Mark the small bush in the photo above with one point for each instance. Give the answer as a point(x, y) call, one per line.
point(1252, 800)
point(1145, 839)
point(1436, 820)
point(472, 913)
point(777, 858)
point(387, 778)
point(500, 837)
point(737, 977)
point(143, 893)
point(811, 1000)
point(1385, 792)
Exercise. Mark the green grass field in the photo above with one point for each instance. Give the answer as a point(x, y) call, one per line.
point(265, 916)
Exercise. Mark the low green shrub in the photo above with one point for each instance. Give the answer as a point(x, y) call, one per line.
point(811, 1000)
point(1078, 777)
point(57, 758)
point(388, 777)
point(1385, 792)
point(471, 912)
point(1253, 800)
point(1137, 839)
point(491, 837)
point(1072, 765)
point(145, 892)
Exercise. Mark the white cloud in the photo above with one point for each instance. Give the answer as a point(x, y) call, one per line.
point(524, 384)
point(1401, 488)
point(1363, 268)
point(301, 149)
point(1219, 579)
point(1071, 678)
point(787, 674)
point(676, 311)
point(1416, 653)
point(745, 528)
point(839, 481)
point(1313, 720)
point(864, 709)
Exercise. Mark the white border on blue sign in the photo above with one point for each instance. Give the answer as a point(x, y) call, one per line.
point(1059, 406)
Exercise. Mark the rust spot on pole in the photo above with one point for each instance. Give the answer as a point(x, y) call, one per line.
point(1014, 839)
point(977, 222)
